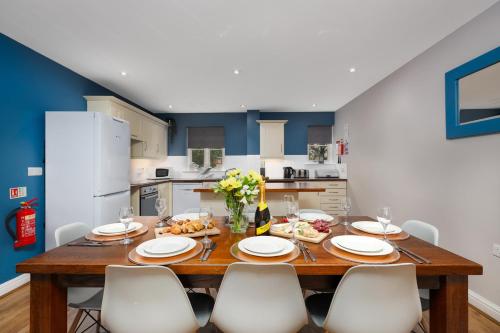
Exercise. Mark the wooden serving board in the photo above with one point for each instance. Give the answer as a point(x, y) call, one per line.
point(160, 232)
point(99, 238)
point(387, 259)
point(134, 257)
point(401, 236)
point(317, 240)
point(235, 252)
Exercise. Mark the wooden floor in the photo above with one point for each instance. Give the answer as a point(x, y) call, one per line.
point(14, 316)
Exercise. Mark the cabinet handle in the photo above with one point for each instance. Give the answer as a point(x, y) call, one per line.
point(146, 146)
point(281, 148)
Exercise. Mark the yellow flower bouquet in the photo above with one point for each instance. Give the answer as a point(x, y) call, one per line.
point(239, 191)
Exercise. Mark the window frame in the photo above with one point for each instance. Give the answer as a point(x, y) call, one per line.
point(206, 158)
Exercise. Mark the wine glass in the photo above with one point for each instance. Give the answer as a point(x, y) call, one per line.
point(287, 200)
point(384, 217)
point(347, 206)
point(160, 206)
point(205, 218)
point(292, 216)
point(126, 216)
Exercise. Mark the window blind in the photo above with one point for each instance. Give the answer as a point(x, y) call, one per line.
point(321, 135)
point(205, 137)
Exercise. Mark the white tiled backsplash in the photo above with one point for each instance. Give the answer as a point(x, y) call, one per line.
point(141, 169)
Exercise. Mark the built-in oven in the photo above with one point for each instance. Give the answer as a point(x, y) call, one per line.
point(148, 196)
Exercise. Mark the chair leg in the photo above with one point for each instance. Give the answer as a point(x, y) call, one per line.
point(78, 316)
point(422, 327)
point(98, 326)
point(207, 291)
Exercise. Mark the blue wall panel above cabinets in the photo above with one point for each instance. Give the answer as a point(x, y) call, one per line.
point(242, 132)
point(296, 127)
point(30, 84)
point(234, 130)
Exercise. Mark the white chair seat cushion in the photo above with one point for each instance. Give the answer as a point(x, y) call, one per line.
point(318, 305)
point(203, 305)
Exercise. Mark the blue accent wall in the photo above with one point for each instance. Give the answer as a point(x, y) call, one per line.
point(296, 127)
point(242, 133)
point(30, 84)
point(234, 130)
point(253, 132)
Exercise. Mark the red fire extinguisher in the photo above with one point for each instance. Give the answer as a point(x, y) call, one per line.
point(25, 233)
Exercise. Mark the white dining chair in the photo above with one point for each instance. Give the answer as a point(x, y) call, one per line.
point(259, 298)
point(151, 299)
point(83, 299)
point(370, 298)
point(422, 230)
point(429, 233)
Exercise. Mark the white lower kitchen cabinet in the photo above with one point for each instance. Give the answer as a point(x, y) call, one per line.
point(183, 197)
point(329, 201)
point(165, 192)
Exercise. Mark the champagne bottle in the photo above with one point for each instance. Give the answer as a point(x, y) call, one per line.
point(262, 215)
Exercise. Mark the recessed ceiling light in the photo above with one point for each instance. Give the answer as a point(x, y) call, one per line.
point(123, 73)
point(314, 105)
point(170, 106)
point(352, 69)
point(243, 106)
point(236, 71)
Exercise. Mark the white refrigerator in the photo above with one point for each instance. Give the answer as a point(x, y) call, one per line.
point(87, 163)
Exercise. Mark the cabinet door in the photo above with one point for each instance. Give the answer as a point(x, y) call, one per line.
point(148, 145)
point(165, 192)
point(272, 137)
point(309, 200)
point(135, 121)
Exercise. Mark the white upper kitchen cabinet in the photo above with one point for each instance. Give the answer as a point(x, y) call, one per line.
point(272, 138)
point(148, 133)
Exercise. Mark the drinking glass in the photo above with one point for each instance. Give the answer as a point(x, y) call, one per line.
point(160, 206)
point(126, 217)
point(384, 217)
point(292, 216)
point(205, 218)
point(347, 206)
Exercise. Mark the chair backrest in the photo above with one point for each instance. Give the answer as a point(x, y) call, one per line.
point(377, 299)
point(422, 230)
point(70, 232)
point(259, 298)
point(145, 299)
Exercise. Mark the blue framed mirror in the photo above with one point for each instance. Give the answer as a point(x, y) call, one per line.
point(473, 97)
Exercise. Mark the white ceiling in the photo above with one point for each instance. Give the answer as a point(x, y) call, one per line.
point(290, 53)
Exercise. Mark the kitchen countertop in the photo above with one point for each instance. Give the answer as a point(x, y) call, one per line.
point(196, 180)
point(275, 187)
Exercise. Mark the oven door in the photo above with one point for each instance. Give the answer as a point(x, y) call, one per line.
point(148, 204)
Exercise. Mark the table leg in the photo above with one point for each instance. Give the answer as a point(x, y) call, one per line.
point(48, 304)
point(449, 305)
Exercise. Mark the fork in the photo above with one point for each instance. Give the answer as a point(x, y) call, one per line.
point(311, 255)
point(399, 249)
point(302, 249)
point(205, 248)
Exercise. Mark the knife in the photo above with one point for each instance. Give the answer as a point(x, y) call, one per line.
point(209, 251)
point(425, 260)
point(311, 255)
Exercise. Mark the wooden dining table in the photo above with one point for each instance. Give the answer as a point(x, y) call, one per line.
point(54, 271)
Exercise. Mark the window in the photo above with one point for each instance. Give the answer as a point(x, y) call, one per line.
point(319, 142)
point(205, 147)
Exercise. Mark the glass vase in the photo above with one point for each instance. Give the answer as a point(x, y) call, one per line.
point(238, 221)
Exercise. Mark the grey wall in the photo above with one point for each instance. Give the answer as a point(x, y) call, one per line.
point(399, 155)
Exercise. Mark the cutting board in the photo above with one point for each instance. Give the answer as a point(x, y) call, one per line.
point(160, 232)
point(319, 239)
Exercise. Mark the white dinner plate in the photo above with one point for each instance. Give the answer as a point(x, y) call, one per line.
point(287, 246)
point(311, 217)
point(141, 248)
point(264, 245)
point(113, 229)
point(167, 245)
point(340, 241)
point(375, 227)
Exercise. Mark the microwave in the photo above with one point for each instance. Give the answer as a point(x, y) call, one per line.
point(161, 172)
